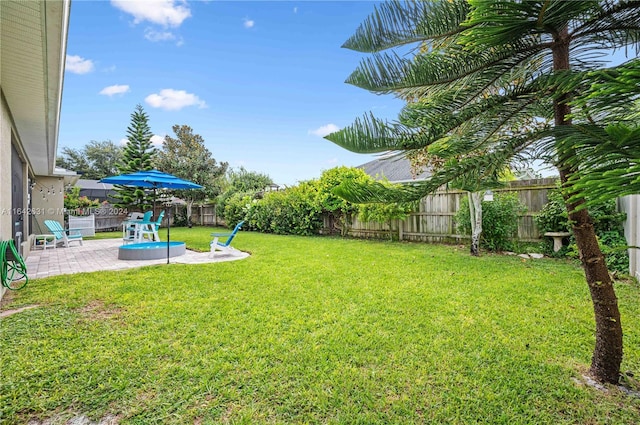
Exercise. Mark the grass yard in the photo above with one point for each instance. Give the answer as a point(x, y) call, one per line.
point(315, 331)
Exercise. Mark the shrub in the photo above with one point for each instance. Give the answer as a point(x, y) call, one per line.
point(236, 208)
point(499, 221)
point(607, 222)
point(73, 200)
point(340, 210)
point(553, 216)
point(180, 219)
point(293, 211)
point(296, 210)
point(385, 213)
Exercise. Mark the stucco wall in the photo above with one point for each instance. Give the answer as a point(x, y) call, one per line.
point(5, 172)
point(47, 202)
point(5, 176)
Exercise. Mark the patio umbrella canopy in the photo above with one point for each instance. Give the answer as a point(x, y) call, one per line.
point(153, 179)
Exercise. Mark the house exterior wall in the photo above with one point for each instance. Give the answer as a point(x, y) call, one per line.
point(47, 202)
point(631, 206)
point(5, 171)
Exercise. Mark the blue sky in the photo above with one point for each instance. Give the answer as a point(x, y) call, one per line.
point(261, 82)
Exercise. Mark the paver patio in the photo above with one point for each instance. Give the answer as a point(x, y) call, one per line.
point(102, 254)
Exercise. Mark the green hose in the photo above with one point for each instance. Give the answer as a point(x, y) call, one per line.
point(12, 269)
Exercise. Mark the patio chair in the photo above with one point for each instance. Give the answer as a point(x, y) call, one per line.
point(131, 227)
point(151, 229)
point(63, 236)
point(226, 245)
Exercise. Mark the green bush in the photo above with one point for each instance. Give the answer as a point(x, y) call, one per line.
point(236, 209)
point(293, 211)
point(296, 210)
point(607, 223)
point(553, 216)
point(73, 200)
point(499, 221)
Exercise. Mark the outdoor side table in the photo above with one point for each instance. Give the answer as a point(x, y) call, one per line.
point(44, 241)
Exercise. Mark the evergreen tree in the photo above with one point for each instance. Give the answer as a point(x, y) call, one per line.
point(487, 66)
point(138, 155)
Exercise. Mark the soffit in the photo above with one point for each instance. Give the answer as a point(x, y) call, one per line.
point(32, 60)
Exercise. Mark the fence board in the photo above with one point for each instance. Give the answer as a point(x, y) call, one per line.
point(434, 219)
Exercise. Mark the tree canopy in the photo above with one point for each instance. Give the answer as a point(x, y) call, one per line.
point(95, 160)
point(187, 157)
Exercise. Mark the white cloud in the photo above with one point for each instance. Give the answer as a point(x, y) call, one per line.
point(111, 68)
point(173, 100)
point(124, 142)
point(168, 13)
point(153, 35)
point(332, 161)
point(115, 89)
point(295, 10)
point(157, 140)
point(324, 130)
point(78, 65)
point(249, 23)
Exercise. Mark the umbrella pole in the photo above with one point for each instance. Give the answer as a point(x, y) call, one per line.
point(168, 232)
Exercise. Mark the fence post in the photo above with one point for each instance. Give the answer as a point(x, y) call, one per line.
point(400, 228)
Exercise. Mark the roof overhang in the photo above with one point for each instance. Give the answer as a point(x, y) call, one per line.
point(33, 51)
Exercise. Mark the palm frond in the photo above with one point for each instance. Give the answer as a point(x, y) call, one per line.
point(397, 23)
point(607, 160)
point(389, 72)
point(617, 23)
point(372, 135)
point(613, 90)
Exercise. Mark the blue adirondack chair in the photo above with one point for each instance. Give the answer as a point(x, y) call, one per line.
point(63, 236)
point(226, 245)
point(151, 230)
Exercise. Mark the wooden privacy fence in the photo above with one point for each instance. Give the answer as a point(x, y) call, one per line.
point(434, 220)
point(205, 215)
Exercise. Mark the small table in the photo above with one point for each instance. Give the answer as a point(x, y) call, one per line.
point(44, 241)
point(557, 239)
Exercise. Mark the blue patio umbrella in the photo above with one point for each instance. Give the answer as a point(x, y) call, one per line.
point(153, 179)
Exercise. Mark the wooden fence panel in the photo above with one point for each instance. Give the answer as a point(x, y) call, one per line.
point(434, 219)
point(205, 215)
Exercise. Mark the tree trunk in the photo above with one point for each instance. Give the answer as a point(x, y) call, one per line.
point(607, 354)
point(475, 210)
point(189, 210)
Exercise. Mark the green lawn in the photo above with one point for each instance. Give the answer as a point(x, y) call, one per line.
point(315, 330)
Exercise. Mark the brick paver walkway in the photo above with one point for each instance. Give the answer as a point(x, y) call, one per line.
point(102, 254)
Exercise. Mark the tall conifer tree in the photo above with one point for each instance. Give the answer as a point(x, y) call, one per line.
point(138, 155)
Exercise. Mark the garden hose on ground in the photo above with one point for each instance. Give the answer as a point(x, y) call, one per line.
point(12, 267)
